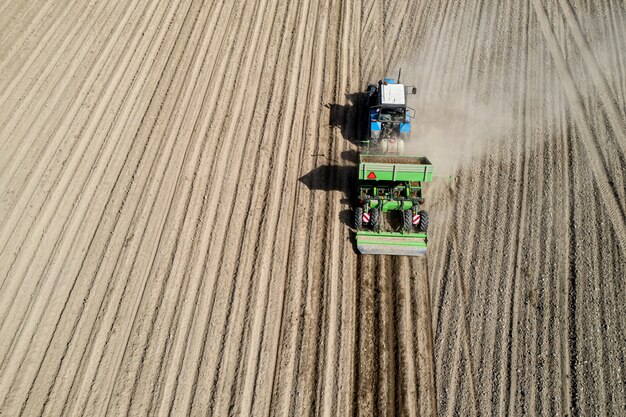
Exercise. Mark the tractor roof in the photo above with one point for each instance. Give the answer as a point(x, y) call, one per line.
point(392, 95)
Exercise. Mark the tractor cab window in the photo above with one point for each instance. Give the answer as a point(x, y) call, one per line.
point(392, 114)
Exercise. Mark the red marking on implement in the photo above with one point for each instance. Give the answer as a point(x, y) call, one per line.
point(371, 175)
point(416, 219)
point(366, 217)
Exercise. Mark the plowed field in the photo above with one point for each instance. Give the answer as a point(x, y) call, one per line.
point(175, 185)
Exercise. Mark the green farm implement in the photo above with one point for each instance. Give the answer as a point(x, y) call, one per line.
point(388, 215)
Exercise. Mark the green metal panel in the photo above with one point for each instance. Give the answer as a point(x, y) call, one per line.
point(384, 168)
point(390, 205)
point(407, 236)
point(391, 243)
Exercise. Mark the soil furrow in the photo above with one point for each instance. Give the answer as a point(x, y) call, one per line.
point(45, 46)
point(34, 117)
point(176, 193)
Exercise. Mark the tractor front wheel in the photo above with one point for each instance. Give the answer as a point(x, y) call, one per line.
point(358, 218)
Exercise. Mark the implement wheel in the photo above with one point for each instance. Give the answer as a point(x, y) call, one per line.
point(358, 218)
point(423, 220)
point(375, 219)
point(407, 224)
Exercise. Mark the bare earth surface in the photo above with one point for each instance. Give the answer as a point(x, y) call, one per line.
point(174, 209)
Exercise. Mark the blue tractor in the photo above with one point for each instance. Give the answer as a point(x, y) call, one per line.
point(389, 117)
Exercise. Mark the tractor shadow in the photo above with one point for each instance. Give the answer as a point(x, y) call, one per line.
point(351, 120)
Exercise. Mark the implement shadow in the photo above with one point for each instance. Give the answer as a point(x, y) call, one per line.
point(351, 121)
point(336, 178)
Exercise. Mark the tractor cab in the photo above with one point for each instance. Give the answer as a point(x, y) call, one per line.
point(389, 121)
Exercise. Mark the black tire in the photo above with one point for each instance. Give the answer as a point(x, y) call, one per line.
point(358, 218)
point(423, 220)
point(408, 220)
point(375, 219)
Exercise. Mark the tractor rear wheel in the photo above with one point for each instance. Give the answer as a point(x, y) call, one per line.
point(358, 218)
point(408, 220)
point(423, 220)
point(375, 219)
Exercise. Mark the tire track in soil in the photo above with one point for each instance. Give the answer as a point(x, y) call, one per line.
point(614, 116)
point(424, 339)
point(337, 265)
point(509, 342)
point(553, 293)
point(518, 261)
point(315, 323)
point(539, 272)
point(406, 341)
point(563, 290)
point(591, 147)
point(295, 346)
point(384, 356)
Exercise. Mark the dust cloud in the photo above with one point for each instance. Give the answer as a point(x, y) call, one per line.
point(457, 120)
point(453, 130)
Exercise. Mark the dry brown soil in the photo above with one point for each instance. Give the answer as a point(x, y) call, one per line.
point(175, 183)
